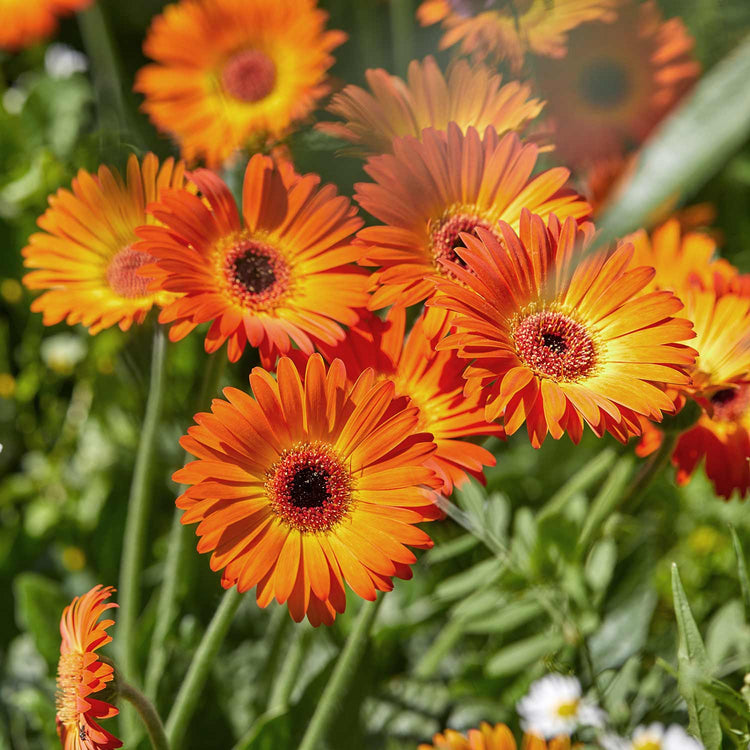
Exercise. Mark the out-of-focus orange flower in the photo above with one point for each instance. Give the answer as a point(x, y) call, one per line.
point(86, 258)
point(24, 22)
point(432, 193)
point(508, 29)
point(557, 336)
point(80, 673)
point(470, 96)
point(488, 737)
point(618, 82)
point(232, 73)
point(432, 382)
point(307, 485)
point(280, 277)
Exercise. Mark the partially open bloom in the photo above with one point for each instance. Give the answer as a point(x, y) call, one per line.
point(430, 193)
point(308, 484)
point(80, 674)
point(555, 705)
point(470, 96)
point(234, 72)
point(24, 22)
point(281, 277)
point(432, 382)
point(556, 337)
point(488, 737)
point(86, 258)
point(508, 29)
point(654, 737)
point(618, 82)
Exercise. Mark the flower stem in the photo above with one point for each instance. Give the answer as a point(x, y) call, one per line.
point(136, 524)
point(177, 547)
point(402, 33)
point(289, 672)
point(148, 715)
point(342, 675)
point(195, 679)
point(659, 459)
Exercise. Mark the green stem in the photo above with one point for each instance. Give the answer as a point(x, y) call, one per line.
point(148, 714)
point(195, 679)
point(136, 524)
point(177, 547)
point(402, 34)
point(446, 640)
point(289, 671)
point(658, 460)
point(342, 675)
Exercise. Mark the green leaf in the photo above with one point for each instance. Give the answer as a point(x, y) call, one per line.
point(270, 731)
point(519, 655)
point(506, 618)
point(741, 570)
point(728, 697)
point(694, 670)
point(39, 604)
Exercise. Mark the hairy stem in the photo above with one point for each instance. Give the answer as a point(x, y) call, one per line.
point(148, 714)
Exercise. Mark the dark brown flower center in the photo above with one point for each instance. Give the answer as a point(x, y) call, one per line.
point(730, 404)
point(256, 273)
point(121, 273)
point(446, 236)
point(554, 345)
point(604, 84)
point(249, 75)
point(309, 488)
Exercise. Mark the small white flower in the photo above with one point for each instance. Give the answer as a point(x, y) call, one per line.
point(61, 61)
point(554, 706)
point(656, 737)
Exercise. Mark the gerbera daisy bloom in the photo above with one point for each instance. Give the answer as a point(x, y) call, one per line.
point(80, 674)
point(559, 336)
point(281, 277)
point(229, 73)
point(555, 705)
point(470, 96)
point(654, 737)
point(508, 29)
point(85, 256)
point(309, 484)
point(619, 82)
point(430, 192)
point(24, 22)
point(488, 737)
point(432, 382)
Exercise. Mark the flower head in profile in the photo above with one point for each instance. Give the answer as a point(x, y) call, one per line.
point(85, 256)
point(431, 193)
point(470, 96)
point(556, 336)
point(509, 29)
point(555, 705)
point(488, 737)
point(431, 381)
point(654, 737)
point(308, 484)
point(80, 673)
point(25, 22)
point(618, 82)
point(282, 275)
point(232, 73)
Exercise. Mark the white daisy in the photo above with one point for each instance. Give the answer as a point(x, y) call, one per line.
point(654, 737)
point(555, 705)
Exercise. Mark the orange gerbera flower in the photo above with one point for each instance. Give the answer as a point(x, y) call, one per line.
point(86, 258)
point(558, 337)
point(618, 83)
point(430, 193)
point(24, 22)
point(232, 72)
point(432, 382)
point(307, 485)
point(80, 674)
point(472, 96)
point(488, 737)
point(507, 29)
point(281, 277)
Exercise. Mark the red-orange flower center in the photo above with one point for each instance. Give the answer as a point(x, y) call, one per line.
point(256, 273)
point(249, 75)
point(446, 236)
point(309, 488)
point(121, 273)
point(604, 84)
point(554, 345)
point(730, 404)
point(69, 680)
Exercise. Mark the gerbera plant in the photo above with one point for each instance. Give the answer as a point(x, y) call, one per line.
point(85, 256)
point(280, 274)
point(232, 73)
point(309, 484)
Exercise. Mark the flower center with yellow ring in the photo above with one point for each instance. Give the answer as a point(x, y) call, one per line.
point(121, 273)
point(249, 75)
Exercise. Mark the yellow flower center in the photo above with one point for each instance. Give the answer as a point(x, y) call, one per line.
point(648, 744)
point(69, 680)
point(567, 710)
